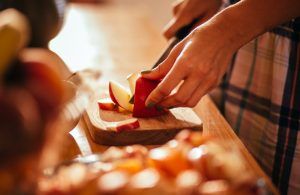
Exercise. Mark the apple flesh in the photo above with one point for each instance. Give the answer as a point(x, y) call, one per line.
point(120, 96)
point(142, 90)
point(106, 104)
point(132, 81)
point(119, 109)
point(125, 125)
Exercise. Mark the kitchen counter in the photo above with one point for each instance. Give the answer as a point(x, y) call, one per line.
point(118, 39)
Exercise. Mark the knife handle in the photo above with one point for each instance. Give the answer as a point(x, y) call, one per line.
point(179, 35)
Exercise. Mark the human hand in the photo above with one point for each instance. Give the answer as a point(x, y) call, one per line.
point(186, 11)
point(196, 65)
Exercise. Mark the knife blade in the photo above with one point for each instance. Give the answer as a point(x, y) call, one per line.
point(179, 36)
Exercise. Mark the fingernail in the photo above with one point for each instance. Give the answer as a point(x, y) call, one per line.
point(160, 108)
point(150, 105)
point(146, 71)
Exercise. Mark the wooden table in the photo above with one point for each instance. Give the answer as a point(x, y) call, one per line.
point(120, 38)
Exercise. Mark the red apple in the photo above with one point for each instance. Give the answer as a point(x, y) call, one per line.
point(106, 104)
point(120, 96)
point(142, 90)
point(45, 84)
point(125, 125)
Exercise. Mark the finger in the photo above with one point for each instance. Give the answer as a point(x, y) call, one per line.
point(204, 87)
point(166, 86)
point(176, 6)
point(162, 69)
point(205, 17)
point(181, 19)
point(183, 94)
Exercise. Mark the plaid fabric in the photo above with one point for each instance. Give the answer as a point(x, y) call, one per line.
point(260, 97)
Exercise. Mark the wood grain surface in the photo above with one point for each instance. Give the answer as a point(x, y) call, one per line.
point(152, 131)
point(120, 38)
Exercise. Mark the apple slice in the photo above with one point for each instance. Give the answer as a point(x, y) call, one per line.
point(143, 88)
point(132, 81)
point(125, 125)
point(121, 110)
point(106, 104)
point(120, 96)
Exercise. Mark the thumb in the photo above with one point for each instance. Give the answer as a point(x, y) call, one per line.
point(162, 69)
point(176, 23)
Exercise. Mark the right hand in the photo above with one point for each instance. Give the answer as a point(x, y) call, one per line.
point(186, 11)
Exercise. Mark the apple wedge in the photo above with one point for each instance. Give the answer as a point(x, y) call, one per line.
point(143, 88)
point(132, 82)
point(120, 96)
point(125, 125)
point(119, 109)
point(106, 104)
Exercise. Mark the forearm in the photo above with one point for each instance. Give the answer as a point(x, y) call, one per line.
point(247, 19)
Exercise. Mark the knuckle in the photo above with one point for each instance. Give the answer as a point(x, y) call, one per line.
point(191, 104)
point(179, 99)
point(214, 80)
point(162, 92)
point(202, 72)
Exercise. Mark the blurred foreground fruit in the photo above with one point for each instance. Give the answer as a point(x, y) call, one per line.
point(45, 18)
point(45, 85)
point(14, 35)
point(20, 123)
point(169, 160)
point(176, 168)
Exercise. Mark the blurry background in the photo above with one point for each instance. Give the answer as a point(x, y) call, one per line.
point(83, 43)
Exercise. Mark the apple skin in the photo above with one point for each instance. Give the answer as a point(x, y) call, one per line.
point(106, 104)
point(125, 125)
point(142, 90)
point(120, 96)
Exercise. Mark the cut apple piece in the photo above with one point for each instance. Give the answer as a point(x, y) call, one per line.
point(131, 101)
point(121, 110)
point(106, 104)
point(125, 125)
point(132, 81)
point(120, 96)
point(143, 88)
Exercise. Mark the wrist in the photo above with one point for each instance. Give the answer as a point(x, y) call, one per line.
point(236, 26)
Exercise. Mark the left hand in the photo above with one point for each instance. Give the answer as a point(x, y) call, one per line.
point(184, 12)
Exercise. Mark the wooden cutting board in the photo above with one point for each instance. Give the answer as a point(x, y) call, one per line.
point(152, 131)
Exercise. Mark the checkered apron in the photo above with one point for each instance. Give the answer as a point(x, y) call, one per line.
point(260, 98)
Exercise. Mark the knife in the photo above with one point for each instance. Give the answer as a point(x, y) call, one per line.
point(179, 36)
